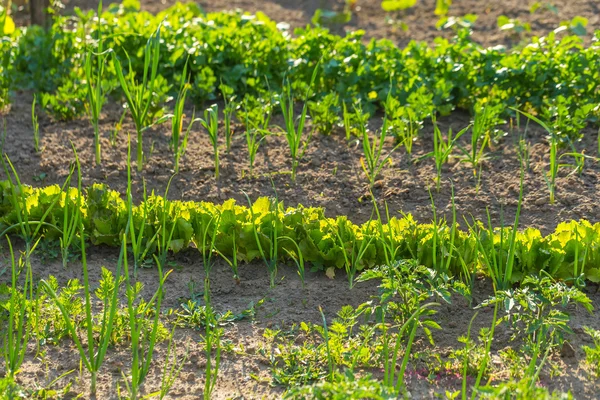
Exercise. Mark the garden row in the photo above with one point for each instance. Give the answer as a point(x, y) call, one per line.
point(265, 230)
point(251, 57)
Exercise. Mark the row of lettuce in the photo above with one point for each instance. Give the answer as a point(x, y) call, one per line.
point(573, 250)
point(250, 56)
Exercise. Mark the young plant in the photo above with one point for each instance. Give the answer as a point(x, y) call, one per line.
point(71, 212)
point(211, 124)
point(480, 139)
point(143, 338)
point(391, 355)
point(213, 333)
point(343, 230)
point(114, 133)
point(253, 138)
point(139, 95)
point(404, 122)
point(17, 334)
point(178, 144)
point(36, 126)
point(552, 173)
point(228, 110)
point(93, 80)
point(592, 354)
point(293, 133)
point(500, 263)
point(295, 255)
point(373, 161)
point(172, 367)
point(140, 243)
point(354, 122)
point(442, 148)
point(391, 246)
point(92, 355)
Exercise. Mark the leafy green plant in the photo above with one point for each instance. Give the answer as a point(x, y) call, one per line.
point(592, 354)
point(352, 245)
point(211, 124)
point(270, 251)
point(140, 239)
point(531, 312)
point(344, 386)
point(442, 7)
point(257, 111)
point(324, 113)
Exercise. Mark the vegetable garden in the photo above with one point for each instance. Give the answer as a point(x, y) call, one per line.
point(211, 205)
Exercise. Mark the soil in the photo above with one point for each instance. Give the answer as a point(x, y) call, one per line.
point(421, 20)
point(330, 176)
point(245, 367)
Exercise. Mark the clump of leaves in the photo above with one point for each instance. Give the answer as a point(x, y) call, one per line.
point(536, 311)
point(325, 113)
point(344, 386)
point(592, 354)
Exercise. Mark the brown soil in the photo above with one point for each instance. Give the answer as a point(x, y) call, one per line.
point(330, 175)
point(421, 20)
point(245, 369)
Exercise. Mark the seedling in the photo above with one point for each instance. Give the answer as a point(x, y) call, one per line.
point(552, 173)
point(97, 343)
point(17, 334)
point(229, 108)
point(442, 148)
point(374, 160)
point(139, 95)
point(71, 212)
point(253, 139)
point(93, 80)
point(36, 126)
point(179, 144)
point(293, 133)
point(211, 124)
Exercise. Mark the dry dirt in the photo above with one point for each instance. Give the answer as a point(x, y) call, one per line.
point(421, 20)
point(245, 369)
point(330, 175)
